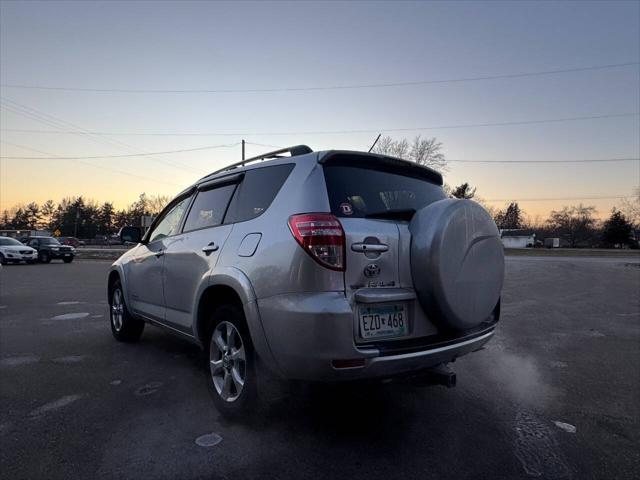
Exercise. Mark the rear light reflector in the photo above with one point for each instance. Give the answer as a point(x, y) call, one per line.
point(348, 363)
point(321, 236)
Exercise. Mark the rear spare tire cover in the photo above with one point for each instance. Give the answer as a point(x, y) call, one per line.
point(457, 262)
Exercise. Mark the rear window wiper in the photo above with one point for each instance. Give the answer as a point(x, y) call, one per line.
point(393, 214)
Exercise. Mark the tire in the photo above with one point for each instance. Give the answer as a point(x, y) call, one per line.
point(67, 260)
point(3, 261)
point(124, 326)
point(44, 257)
point(232, 364)
point(31, 262)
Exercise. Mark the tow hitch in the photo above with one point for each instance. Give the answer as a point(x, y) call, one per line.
point(438, 375)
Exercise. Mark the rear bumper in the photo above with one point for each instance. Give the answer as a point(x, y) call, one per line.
point(306, 333)
point(61, 255)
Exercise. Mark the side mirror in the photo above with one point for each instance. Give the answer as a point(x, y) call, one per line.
point(130, 235)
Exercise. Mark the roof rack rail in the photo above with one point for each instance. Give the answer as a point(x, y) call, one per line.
point(293, 151)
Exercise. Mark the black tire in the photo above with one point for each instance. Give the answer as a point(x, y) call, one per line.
point(247, 399)
point(31, 262)
point(126, 327)
point(67, 260)
point(44, 257)
point(3, 261)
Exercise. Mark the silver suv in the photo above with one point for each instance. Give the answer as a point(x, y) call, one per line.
point(317, 266)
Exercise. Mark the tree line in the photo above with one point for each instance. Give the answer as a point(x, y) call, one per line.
point(577, 225)
point(80, 217)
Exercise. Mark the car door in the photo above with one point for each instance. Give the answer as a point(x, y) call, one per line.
point(144, 276)
point(192, 254)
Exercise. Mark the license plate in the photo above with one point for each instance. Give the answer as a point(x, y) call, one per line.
point(383, 321)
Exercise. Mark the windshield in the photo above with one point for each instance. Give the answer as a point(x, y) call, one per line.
point(364, 192)
point(5, 242)
point(49, 241)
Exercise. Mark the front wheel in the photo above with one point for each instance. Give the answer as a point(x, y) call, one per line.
point(3, 261)
point(124, 326)
point(67, 260)
point(232, 367)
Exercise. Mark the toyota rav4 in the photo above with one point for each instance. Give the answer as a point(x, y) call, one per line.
point(317, 266)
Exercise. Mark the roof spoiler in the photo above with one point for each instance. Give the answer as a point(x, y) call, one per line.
point(385, 163)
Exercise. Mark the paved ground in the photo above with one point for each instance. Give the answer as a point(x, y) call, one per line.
point(76, 404)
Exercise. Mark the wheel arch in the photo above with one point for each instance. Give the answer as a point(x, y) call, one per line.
point(231, 286)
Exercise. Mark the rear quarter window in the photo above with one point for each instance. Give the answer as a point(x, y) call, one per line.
point(256, 192)
point(358, 192)
point(208, 208)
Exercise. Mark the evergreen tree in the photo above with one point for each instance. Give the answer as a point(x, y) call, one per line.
point(511, 218)
point(617, 229)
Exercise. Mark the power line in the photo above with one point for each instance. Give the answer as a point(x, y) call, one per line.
point(339, 132)
point(330, 87)
point(611, 197)
point(114, 170)
point(60, 124)
point(589, 160)
point(142, 154)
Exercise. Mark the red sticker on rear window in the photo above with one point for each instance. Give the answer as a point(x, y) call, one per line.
point(346, 209)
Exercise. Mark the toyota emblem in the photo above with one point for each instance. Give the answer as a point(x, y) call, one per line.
point(371, 270)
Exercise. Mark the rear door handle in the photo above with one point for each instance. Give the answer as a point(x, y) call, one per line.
point(159, 253)
point(369, 247)
point(211, 247)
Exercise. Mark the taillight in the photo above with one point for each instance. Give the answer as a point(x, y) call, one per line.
point(321, 236)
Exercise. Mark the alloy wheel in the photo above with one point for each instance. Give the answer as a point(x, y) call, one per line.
point(228, 363)
point(117, 310)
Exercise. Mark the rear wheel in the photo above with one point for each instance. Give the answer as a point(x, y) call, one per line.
point(124, 326)
point(44, 257)
point(232, 363)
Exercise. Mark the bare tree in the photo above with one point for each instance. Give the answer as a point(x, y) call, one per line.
point(463, 191)
point(576, 224)
point(631, 208)
point(423, 151)
point(427, 152)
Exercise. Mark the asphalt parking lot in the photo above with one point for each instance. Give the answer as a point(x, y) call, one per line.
point(556, 394)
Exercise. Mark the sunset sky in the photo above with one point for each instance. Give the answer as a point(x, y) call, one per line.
point(143, 67)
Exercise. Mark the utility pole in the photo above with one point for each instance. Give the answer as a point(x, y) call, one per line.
point(243, 151)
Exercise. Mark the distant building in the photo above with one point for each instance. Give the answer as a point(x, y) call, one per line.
point(552, 242)
point(520, 238)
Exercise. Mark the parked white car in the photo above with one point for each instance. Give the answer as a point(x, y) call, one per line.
point(11, 250)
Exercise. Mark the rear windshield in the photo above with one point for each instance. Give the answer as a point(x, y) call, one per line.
point(361, 192)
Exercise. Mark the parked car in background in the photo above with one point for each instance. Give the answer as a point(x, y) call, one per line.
point(13, 251)
point(321, 266)
point(49, 248)
point(71, 241)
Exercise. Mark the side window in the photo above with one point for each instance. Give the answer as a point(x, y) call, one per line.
point(170, 222)
point(256, 192)
point(208, 208)
point(33, 243)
